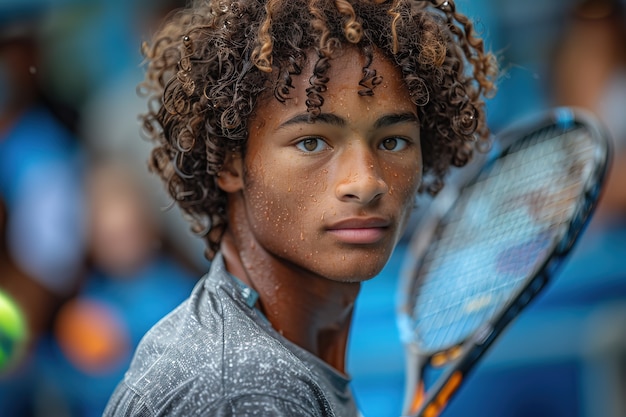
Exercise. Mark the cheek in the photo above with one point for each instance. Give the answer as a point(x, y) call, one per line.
point(267, 207)
point(281, 200)
point(403, 187)
point(403, 179)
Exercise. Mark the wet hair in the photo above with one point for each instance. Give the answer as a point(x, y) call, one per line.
point(210, 63)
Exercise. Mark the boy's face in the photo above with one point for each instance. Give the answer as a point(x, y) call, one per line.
point(333, 196)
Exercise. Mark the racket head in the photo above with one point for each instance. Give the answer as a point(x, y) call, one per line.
point(493, 237)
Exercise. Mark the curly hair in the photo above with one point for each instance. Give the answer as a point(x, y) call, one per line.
point(210, 62)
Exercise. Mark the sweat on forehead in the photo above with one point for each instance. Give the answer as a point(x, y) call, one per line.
point(210, 64)
point(316, 90)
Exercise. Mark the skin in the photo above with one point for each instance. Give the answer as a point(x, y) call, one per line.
point(317, 208)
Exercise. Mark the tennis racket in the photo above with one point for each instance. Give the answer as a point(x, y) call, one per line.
point(487, 245)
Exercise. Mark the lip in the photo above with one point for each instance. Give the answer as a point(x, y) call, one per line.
point(360, 231)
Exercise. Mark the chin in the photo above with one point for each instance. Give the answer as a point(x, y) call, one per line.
point(358, 269)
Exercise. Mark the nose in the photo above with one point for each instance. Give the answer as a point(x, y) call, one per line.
point(360, 179)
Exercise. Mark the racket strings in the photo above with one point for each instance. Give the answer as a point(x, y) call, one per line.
point(486, 250)
point(497, 182)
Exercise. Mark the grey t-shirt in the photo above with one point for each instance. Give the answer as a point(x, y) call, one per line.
point(216, 355)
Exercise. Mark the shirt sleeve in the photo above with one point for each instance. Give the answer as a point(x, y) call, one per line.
point(126, 403)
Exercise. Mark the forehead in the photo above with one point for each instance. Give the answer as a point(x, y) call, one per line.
point(347, 70)
point(349, 64)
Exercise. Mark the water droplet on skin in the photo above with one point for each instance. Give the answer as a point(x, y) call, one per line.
point(301, 235)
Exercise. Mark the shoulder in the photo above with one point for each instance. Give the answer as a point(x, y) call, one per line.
point(212, 354)
point(127, 403)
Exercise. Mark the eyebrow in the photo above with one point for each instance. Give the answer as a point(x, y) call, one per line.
point(392, 119)
point(332, 119)
point(327, 118)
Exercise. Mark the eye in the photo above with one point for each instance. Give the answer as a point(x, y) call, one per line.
point(312, 145)
point(393, 144)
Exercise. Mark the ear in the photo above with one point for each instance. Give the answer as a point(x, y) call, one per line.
point(230, 178)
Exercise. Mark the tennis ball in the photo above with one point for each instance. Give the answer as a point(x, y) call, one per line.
point(13, 331)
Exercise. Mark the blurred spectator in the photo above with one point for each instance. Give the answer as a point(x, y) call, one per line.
point(590, 72)
point(132, 282)
point(110, 126)
point(40, 173)
point(84, 256)
point(43, 235)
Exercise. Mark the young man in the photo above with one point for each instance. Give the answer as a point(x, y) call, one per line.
point(294, 134)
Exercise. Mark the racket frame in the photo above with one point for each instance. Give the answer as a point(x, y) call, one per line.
point(468, 352)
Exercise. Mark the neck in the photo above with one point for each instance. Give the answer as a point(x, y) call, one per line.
point(311, 311)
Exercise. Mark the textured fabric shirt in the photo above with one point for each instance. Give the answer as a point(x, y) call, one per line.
point(216, 355)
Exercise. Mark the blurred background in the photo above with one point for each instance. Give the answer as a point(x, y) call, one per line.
point(94, 259)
